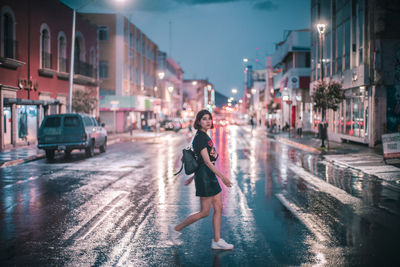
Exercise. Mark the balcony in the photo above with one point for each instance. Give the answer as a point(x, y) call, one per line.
point(84, 69)
point(9, 58)
point(85, 73)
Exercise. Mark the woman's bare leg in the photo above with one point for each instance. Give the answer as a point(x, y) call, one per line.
point(217, 204)
point(205, 203)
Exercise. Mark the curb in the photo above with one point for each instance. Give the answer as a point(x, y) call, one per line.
point(42, 155)
point(298, 145)
point(20, 161)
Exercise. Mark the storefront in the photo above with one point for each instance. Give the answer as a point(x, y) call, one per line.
point(350, 121)
point(22, 118)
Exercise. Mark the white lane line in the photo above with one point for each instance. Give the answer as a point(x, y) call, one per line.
point(307, 219)
point(104, 215)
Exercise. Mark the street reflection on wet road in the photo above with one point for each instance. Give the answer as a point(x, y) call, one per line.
point(286, 207)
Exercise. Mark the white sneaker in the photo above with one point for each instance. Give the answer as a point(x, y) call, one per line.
point(174, 235)
point(221, 244)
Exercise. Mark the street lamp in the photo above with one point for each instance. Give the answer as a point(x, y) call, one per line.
point(194, 83)
point(245, 60)
point(161, 75)
point(321, 27)
point(253, 91)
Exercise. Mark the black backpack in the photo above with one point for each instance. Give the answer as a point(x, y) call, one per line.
point(189, 161)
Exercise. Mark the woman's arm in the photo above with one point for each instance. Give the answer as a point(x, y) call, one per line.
point(207, 161)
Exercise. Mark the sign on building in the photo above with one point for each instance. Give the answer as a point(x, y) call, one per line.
point(391, 146)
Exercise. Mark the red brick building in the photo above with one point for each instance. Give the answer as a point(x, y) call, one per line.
point(35, 47)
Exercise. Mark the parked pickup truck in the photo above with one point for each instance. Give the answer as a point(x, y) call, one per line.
point(65, 132)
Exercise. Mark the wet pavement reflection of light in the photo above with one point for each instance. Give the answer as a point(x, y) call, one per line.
point(284, 208)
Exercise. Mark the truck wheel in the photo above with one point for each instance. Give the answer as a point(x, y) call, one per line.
point(90, 149)
point(104, 146)
point(50, 154)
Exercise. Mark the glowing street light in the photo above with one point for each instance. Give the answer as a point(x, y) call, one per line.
point(234, 91)
point(240, 101)
point(194, 82)
point(321, 27)
point(170, 89)
point(245, 60)
point(161, 75)
point(253, 91)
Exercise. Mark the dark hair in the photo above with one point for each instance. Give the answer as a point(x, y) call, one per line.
point(200, 115)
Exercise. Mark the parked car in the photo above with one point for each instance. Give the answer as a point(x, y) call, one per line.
point(65, 132)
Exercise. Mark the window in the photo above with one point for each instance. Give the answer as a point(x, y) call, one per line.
point(62, 53)
point(8, 36)
point(52, 122)
point(71, 122)
point(94, 121)
point(103, 69)
point(360, 30)
point(328, 54)
point(87, 121)
point(339, 48)
point(45, 48)
point(103, 33)
point(347, 45)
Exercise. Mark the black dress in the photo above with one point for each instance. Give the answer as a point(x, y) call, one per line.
point(205, 179)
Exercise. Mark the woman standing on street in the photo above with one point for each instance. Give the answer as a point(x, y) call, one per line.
point(207, 186)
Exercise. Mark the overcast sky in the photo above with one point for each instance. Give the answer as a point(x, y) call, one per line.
point(211, 37)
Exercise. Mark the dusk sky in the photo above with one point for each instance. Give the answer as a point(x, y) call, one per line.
point(211, 37)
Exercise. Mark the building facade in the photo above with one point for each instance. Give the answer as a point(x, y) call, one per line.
point(198, 94)
point(291, 79)
point(34, 65)
point(128, 73)
point(360, 49)
point(171, 86)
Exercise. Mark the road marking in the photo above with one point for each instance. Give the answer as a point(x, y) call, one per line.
point(88, 227)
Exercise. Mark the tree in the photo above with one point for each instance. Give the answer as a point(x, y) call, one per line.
point(327, 96)
point(83, 101)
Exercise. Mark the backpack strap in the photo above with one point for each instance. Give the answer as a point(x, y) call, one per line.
point(179, 170)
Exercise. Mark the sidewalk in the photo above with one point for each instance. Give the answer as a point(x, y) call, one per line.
point(347, 155)
point(18, 155)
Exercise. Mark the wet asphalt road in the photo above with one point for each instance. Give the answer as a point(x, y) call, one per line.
point(286, 208)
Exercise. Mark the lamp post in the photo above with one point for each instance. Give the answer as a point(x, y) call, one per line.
point(321, 27)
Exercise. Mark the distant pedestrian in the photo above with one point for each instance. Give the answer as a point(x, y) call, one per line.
point(190, 128)
point(252, 123)
point(207, 186)
point(299, 127)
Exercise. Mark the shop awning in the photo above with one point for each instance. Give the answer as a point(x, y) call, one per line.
point(19, 101)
